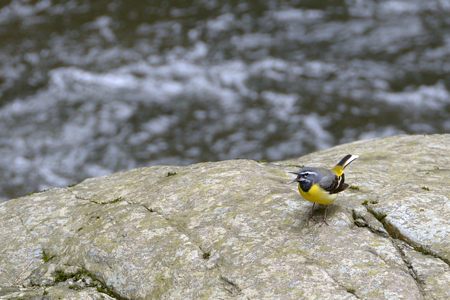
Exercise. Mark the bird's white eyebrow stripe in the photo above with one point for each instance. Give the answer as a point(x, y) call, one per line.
point(308, 173)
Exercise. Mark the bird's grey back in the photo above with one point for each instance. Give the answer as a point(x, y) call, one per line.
point(325, 177)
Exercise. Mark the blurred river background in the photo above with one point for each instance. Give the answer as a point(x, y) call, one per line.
point(88, 88)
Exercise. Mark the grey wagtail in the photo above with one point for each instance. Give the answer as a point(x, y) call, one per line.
point(320, 185)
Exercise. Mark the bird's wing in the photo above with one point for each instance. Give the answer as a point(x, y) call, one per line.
point(332, 183)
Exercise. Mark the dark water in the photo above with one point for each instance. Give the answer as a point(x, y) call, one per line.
point(92, 87)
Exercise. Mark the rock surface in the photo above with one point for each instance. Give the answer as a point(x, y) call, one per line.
point(238, 230)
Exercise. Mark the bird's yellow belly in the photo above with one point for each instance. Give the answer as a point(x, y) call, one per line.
point(317, 195)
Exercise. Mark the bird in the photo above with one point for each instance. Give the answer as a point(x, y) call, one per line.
point(320, 185)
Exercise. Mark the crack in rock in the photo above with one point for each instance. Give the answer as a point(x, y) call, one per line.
point(205, 253)
point(81, 279)
point(396, 238)
point(115, 200)
point(343, 287)
point(27, 230)
point(362, 219)
point(31, 259)
point(419, 282)
point(79, 197)
point(375, 253)
point(231, 287)
point(395, 233)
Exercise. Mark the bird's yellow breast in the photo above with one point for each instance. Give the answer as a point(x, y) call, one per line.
point(318, 195)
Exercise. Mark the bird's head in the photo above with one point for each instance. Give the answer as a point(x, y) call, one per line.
point(306, 178)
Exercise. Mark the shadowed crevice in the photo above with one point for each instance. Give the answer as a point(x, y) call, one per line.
point(360, 221)
point(419, 283)
point(396, 237)
point(395, 233)
point(71, 278)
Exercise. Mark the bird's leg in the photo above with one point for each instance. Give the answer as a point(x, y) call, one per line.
point(311, 213)
point(325, 216)
point(312, 210)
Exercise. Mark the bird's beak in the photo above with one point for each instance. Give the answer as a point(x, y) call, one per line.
point(295, 180)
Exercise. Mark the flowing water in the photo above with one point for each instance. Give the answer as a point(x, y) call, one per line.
point(92, 87)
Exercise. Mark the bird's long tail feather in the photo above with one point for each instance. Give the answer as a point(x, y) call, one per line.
point(345, 161)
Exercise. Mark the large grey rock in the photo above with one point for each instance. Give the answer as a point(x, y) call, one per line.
point(237, 229)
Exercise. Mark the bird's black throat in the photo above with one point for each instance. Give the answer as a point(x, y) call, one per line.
point(305, 185)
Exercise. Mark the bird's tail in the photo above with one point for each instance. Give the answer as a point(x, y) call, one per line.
point(345, 161)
